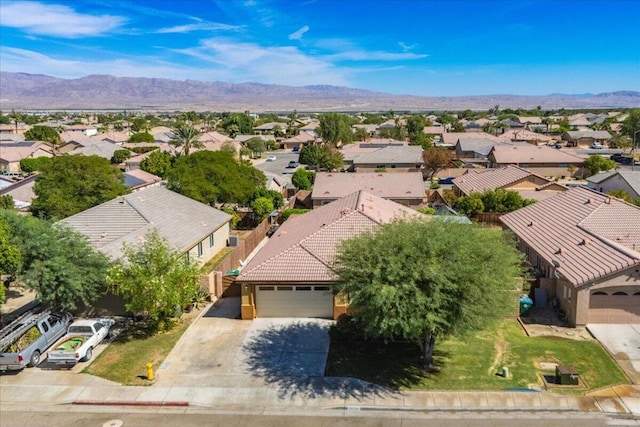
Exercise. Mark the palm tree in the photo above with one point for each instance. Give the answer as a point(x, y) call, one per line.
point(187, 137)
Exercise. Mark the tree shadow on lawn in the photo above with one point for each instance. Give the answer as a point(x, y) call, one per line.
point(395, 365)
point(292, 357)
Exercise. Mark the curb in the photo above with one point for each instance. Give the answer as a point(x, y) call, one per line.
point(178, 403)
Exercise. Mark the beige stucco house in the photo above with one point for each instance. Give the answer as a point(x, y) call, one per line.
point(527, 184)
point(291, 275)
point(193, 228)
point(540, 160)
point(585, 249)
point(404, 188)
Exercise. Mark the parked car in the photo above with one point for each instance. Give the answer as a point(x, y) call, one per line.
point(271, 158)
point(24, 340)
point(295, 149)
point(596, 146)
point(82, 337)
point(293, 164)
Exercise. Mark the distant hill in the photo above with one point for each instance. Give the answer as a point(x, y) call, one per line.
point(35, 91)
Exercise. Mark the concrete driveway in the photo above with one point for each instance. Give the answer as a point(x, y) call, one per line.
point(623, 342)
point(220, 351)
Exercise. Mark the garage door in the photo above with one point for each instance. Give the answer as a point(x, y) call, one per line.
point(294, 301)
point(616, 307)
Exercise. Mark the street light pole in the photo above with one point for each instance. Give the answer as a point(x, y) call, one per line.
point(633, 151)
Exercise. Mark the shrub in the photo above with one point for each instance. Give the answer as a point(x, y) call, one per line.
point(142, 137)
point(288, 212)
point(120, 156)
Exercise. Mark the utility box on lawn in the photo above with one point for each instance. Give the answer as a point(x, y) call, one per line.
point(567, 375)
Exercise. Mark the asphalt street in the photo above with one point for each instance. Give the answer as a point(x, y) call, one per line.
point(73, 418)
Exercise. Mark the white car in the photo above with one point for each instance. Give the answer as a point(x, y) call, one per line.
point(596, 146)
point(271, 158)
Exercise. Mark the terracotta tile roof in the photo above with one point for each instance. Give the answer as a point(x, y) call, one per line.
point(531, 154)
point(490, 179)
point(398, 185)
point(303, 248)
point(16, 151)
point(524, 135)
point(452, 137)
point(596, 134)
point(590, 234)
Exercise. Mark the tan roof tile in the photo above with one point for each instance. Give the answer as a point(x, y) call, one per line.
point(304, 246)
point(589, 234)
point(398, 185)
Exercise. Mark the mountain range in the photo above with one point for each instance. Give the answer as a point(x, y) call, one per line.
point(102, 92)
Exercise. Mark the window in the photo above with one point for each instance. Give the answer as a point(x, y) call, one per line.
point(599, 293)
point(266, 288)
point(303, 288)
point(200, 251)
point(285, 288)
point(321, 288)
point(97, 326)
point(620, 293)
point(45, 327)
point(212, 241)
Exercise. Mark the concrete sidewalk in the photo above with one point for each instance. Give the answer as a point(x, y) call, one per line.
point(346, 395)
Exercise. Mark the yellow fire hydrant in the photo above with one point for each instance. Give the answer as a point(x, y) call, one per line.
point(150, 371)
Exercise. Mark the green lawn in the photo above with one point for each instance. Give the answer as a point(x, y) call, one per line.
point(473, 362)
point(124, 361)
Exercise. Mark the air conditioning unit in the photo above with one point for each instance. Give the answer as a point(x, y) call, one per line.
point(233, 241)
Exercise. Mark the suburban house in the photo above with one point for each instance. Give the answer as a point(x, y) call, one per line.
point(541, 160)
point(585, 249)
point(298, 140)
point(529, 121)
point(12, 153)
point(310, 127)
point(526, 183)
point(100, 148)
point(291, 275)
point(115, 137)
point(133, 163)
point(270, 128)
point(191, 227)
point(371, 129)
point(453, 137)
point(523, 135)
point(627, 181)
point(21, 191)
point(404, 188)
point(137, 179)
point(584, 138)
point(391, 157)
point(469, 147)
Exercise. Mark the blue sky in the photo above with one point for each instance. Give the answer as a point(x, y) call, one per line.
point(432, 48)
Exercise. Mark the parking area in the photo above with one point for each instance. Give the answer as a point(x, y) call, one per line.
point(219, 350)
point(622, 341)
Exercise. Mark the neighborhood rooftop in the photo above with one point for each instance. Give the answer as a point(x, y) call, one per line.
point(588, 234)
point(304, 246)
point(331, 185)
point(127, 219)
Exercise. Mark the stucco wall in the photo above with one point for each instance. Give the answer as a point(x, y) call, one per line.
point(220, 239)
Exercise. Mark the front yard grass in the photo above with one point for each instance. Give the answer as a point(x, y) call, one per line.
point(125, 359)
point(474, 362)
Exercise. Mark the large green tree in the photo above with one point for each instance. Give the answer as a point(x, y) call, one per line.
point(215, 177)
point(157, 163)
point(185, 137)
point(237, 123)
point(33, 164)
point(596, 163)
point(154, 279)
point(302, 179)
point(46, 134)
point(73, 184)
point(59, 264)
point(423, 280)
point(335, 128)
point(631, 124)
point(257, 146)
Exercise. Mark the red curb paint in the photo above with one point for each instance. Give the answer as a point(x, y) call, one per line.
point(129, 403)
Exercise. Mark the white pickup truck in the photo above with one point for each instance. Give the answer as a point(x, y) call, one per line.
point(82, 337)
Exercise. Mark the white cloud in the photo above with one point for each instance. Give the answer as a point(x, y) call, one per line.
point(55, 20)
point(287, 65)
point(297, 35)
point(199, 26)
point(407, 47)
point(363, 55)
point(220, 60)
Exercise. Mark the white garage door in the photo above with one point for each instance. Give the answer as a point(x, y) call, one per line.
point(616, 307)
point(294, 301)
